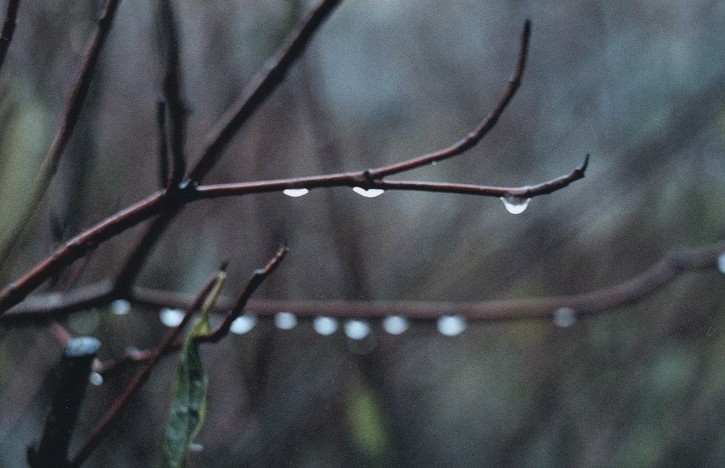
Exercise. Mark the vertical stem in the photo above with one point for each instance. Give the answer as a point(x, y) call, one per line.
point(74, 369)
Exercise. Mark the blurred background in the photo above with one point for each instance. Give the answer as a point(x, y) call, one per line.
point(640, 85)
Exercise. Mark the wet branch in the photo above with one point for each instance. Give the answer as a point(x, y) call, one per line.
point(72, 113)
point(6, 36)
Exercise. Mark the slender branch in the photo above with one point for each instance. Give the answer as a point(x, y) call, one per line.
point(172, 91)
point(74, 368)
point(104, 424)
point(257, 278)
point(78, 247)
point(260, 88)
point(353, 179)
point(163, 150)
point(169, 203)
point(72, 113)
point(476, 135)
point(45, 307)
point(6, 36)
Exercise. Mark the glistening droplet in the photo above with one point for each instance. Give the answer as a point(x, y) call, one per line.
point(171, 317)
point(120, 307)
point(95, 379)
point(564, 317)
point(357, 329)
point(243, 324)
point(369, 193)
point(395, 324)
point(295, 192)
point(514, 204)
point(325, 325)
point(285, 320)
point(721, 263)
point(451, 325)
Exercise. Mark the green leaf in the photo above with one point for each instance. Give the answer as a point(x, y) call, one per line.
point(188, 404)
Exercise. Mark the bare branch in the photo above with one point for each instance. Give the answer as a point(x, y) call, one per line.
point(476, 135)
point(172, 91)
point(260, 88)
point(104, 424)
point(6, 36)
point(45, 307)
point(72, 113)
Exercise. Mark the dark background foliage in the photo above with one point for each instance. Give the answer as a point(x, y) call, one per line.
point(638, 84)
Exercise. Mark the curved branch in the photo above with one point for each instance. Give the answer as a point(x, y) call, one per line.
point(6, 36)
point(72, 113)
point(483, 128)
point(45, 307)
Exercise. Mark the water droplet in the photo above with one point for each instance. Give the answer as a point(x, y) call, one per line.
point(295, 192)
point(564, 317)
point(433, 163)
point(357, 329)
point(194, 447)
point(369, 193)
point(243, 324)
point(514, 204)
point(395, 324)
point(721, 263)
point(95, 379)
point(171, 317)
point(325, 325)
point(451, 325)
point(120, 307)
point(285, 320)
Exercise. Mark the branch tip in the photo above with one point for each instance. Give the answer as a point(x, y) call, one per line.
point(585, 164)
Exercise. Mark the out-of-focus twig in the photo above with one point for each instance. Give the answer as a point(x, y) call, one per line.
point(74, 369)
point(6, 36)
point(73, 108)
point(105, 422)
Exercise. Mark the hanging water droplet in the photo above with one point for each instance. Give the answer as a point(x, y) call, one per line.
point(285, 320)
point(171, 317)
point(369, 193)
point(451, 325)
point(395, 324)
point(95, 379)
point(194, 447)
point(325, 325)
point(357, 329)
point(243, 324)
point(514, 204)
point(433, 163)
point(721, 263)
point(120, 307)
point(295, 192)
point(564, 317)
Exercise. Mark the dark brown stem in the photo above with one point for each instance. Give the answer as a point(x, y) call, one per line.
point(72, 113)
point(476, 135)
point(6, 36)
point(260, 88)
point(74, 369)
point(104, 424)
point(172, 92)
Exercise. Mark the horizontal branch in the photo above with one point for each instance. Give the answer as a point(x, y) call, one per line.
point(45, 307)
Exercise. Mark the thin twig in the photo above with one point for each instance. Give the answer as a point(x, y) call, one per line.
point(105, 422)
point(257, 278)
point(72, 113)
point(163, 150)
point(258, 90)
point(172, 91)
point(476, 135)
point(45, 307)
point(6, 36)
